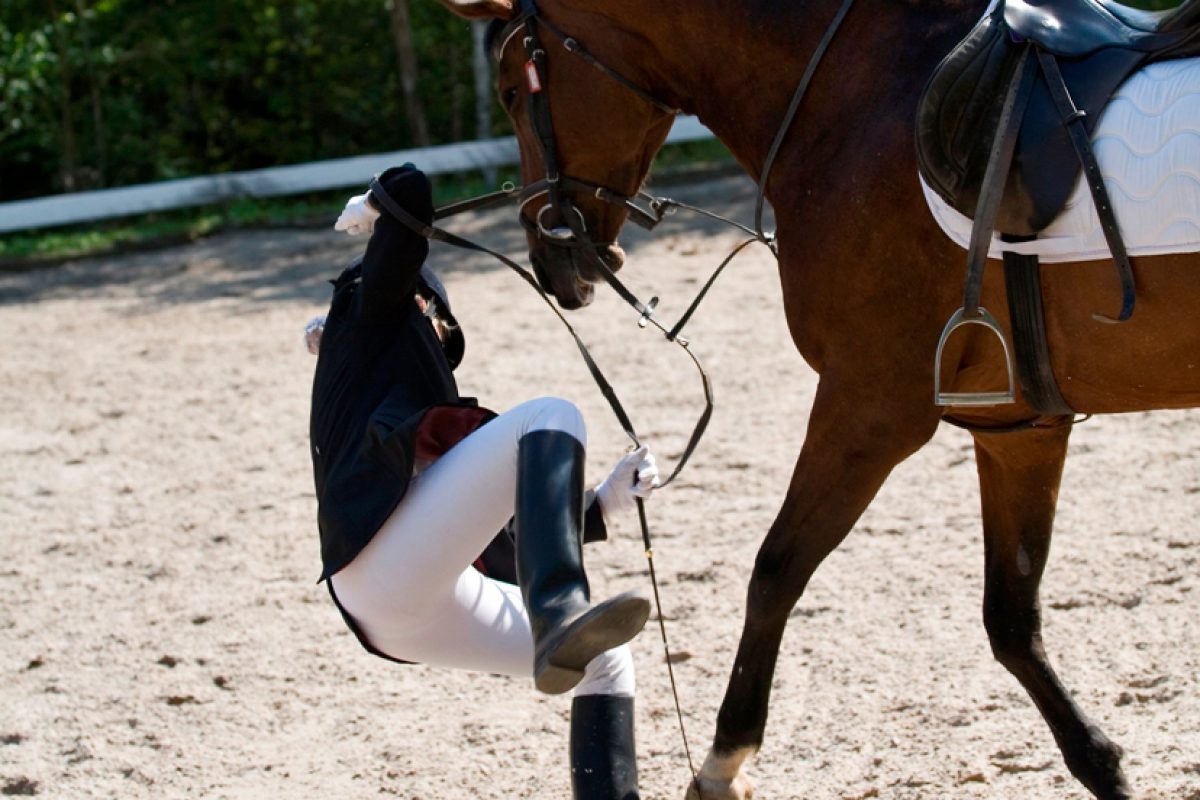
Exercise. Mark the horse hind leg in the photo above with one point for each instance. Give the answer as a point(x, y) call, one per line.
point(1019, 477)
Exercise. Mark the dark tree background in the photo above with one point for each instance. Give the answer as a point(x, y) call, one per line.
point(98, 93)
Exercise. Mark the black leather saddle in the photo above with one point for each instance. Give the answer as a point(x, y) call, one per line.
point(1004, 129)
point(1097, 44)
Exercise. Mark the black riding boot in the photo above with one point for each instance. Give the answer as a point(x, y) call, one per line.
point(568, 632)
point(603, 755)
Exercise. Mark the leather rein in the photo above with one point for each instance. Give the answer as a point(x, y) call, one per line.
point(557, 187)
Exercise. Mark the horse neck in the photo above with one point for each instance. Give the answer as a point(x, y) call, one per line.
point(736, 65)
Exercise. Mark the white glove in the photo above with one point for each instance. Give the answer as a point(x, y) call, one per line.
point(358, 217)
point(636, 475)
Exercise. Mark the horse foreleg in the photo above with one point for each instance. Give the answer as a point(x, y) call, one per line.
point(1019, 478)
point(853, 442)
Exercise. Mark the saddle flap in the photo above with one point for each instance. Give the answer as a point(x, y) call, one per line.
point(959, 109)
point(957, 116)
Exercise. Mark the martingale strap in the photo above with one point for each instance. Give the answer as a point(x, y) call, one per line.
point(814, 61)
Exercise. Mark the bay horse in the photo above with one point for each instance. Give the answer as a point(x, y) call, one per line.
point(868, 280)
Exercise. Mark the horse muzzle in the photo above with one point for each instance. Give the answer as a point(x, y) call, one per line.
point(568, 271)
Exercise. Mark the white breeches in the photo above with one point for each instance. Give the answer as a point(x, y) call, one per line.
point(408, 591)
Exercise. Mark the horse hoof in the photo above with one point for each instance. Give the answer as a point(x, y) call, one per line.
point(740, 788)
point(1100, 768)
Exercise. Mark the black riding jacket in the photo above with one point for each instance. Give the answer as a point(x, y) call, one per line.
point(380, 369)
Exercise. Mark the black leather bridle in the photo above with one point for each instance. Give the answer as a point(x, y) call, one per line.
point(556, 186)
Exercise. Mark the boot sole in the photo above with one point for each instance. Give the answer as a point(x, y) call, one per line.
point(605, 626)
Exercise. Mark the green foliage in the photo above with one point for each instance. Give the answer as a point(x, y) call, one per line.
point(97, 93)
point(20, 250)
point(26, 88)
point(100, 93)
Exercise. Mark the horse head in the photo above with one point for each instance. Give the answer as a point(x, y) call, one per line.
point(587, 131)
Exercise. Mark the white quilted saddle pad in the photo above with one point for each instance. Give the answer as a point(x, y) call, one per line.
point(1147, 143)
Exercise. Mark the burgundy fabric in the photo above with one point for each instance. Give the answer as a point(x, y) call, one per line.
point(444, 426)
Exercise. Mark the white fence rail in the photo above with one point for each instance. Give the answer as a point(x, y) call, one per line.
point(67, 209)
